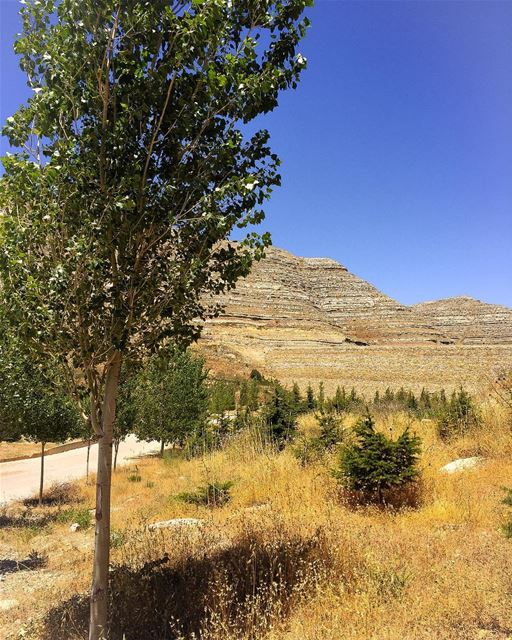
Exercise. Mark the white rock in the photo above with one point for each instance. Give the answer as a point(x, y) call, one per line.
point(462, 464)
point(176, 522)
point(74, 527)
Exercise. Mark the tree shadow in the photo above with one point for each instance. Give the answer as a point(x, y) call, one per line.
point(25, 520)
point(236, 586)
point(31, 563)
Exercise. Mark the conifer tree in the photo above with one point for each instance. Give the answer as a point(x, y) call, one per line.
point(310, 398)
point(374, 463)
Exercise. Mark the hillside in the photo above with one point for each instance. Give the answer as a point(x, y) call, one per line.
point(310, 319)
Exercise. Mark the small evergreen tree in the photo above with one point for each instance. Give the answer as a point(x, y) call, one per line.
point(280, 416)
point(298, 403)
point(222, 396)
point(331, 433)
point(310, 398)
point(339, 401)
point(321, 397)
point(244, 394)
point(374, 463)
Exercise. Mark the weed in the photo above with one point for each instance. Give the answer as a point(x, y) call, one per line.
point(213, 494)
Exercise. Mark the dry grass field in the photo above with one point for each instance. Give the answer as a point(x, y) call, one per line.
point(286, 559)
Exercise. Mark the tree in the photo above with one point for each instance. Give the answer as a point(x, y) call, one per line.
point(170, 397)
point(321, 396)
point(374, 463)
point(310, 398)
point(297, 400)
point(32, 406)
point(132, 168)
point(222, 396)
point(280, 416)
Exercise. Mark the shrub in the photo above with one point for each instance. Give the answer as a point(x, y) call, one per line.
point(212, 494)
point(81, 516)
point(135, 477)
point(507, 501)
point(375, 465)
point(459, 416)
point(58, 494)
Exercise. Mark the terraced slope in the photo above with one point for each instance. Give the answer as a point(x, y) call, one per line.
point(468, 320)
point(310, 319)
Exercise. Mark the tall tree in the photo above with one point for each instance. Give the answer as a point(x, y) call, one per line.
point(170, 398)
point(133, 167)
point(32, 403)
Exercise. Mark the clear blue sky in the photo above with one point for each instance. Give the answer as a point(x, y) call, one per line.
point(396, 147)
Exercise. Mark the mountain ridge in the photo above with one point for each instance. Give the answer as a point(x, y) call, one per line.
point(308, 319)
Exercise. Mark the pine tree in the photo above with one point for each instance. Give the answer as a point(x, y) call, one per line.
point(297, 398)
point(375, 463)
point(321, 396)
point(310, 398)
point(280, 417)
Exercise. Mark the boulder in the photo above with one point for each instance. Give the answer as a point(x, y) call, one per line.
point(462, 464)
point(74, 527)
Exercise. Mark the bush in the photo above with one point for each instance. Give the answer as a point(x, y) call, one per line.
point(458, 417)
point(59, 493)
point(507, 501)
point(213, 494)
point(375, 465)
point(82, 516)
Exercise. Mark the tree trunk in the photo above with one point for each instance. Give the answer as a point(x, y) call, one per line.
point(87, 463)
point(116, 449)
point(100, 593)
point(41, 481)
point(162, 445)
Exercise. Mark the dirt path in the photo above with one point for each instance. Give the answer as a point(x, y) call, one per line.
point(20, 478)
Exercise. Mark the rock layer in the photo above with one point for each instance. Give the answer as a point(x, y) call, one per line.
point(310, 319)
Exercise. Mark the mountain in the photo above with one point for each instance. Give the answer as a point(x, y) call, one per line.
point(310, 319)
point(468, 320)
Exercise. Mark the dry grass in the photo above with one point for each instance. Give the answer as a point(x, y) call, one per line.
point(284, 559)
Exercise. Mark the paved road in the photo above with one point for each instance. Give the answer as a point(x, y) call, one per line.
point(20, 479)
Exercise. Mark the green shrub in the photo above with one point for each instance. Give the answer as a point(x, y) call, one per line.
point(81, 516)
point(213, 494)
point(374, 465)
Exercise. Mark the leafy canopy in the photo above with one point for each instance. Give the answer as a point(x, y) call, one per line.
point(133, 167)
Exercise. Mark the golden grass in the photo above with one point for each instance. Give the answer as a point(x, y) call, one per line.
point(442, 571)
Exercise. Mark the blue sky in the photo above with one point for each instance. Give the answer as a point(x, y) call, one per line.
point(396, 147)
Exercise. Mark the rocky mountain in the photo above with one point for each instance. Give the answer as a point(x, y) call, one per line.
point(468, 320)
point(310, 319)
